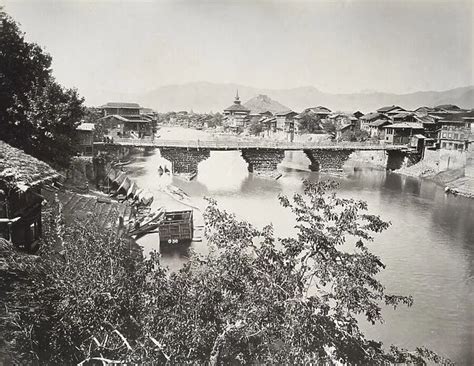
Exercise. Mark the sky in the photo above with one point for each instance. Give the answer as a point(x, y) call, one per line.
point(335, 46)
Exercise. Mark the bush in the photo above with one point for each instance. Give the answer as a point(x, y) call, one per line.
point(254, 298)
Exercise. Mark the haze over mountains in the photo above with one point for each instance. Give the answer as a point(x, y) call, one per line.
point(206, 97)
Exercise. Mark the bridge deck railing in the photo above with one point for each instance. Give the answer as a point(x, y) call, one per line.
point(242, 143)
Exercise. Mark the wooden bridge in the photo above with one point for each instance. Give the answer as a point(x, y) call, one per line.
point(262, 156)
point(239, 144)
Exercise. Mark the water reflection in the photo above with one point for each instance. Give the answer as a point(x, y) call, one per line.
point(428, 249)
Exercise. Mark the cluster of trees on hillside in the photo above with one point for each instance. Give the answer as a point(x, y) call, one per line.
point(254, 298)
point(37, 114)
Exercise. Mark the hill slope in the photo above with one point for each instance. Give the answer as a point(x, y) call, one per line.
point(262, 103)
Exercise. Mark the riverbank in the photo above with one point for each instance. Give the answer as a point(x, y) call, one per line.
point(454, 181)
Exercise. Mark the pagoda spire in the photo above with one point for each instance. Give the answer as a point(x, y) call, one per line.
point(237, 99)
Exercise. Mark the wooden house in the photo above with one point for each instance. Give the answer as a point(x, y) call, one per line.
point(21, 179)
point(285, 122)
point(376, 128)
point(401, 133)
point(319, 111)
point(236, 116)
point(368, 118)
point(127, 127)
point(85, 134)
point(454, 134)
point(121, 109)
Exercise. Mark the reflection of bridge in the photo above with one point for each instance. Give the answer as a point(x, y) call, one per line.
point(261, 155)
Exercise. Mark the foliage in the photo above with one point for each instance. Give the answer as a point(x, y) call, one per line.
point(329, 127)
point(253, 299)
point(356, 135)
point(92, 115)
point(255, 128)
point(36, 113)
point(309, 123)
point(215, 120)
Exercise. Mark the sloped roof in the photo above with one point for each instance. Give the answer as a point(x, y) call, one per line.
point(370, 116)
point(344, 127)
point(285, 113)
point(121, 105)
point(136, 119)
point(86, 127)
point(237, 107)
point(403, 114)
point(389, 108)
point(21, 170)
point(379, 122)
point(447, 107)
point(413, 126)
point(425, 119)
point(319, 110)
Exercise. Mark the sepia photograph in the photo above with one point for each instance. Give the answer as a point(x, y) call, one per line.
point(236, 182)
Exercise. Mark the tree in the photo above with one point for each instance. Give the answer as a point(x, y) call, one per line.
point(309, 123)
point(330, 128)
point(254, 298)
point(355, 135)
point(36, 113)
point(93, 115)
point(255, 128)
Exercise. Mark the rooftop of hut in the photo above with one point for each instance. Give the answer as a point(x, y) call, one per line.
point(21, 170)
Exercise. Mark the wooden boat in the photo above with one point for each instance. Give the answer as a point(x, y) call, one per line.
point(148, 223)
point(122, 163)
point(176, 227)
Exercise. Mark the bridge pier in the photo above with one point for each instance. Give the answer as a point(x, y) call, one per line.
point(327, 160)
point(263, 161)
point(398, 158)
point(184, 161)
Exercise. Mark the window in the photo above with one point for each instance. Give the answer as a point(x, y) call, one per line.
point(443, 145)
point(444, 134)
point(450, 135)
point(456, 136)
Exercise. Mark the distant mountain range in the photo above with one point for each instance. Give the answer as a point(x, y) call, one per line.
point(207, 97)
point(262, 103)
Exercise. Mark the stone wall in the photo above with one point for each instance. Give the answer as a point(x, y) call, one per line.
point(183, 160)
point(469, 169)
point(376, 158)
point(327, 160)
point(262, 160)
point(451, 159)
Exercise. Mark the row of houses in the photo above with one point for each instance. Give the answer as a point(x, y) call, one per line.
point(444, 126)
point(279, 125)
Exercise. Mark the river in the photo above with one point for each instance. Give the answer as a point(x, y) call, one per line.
point(428, 249)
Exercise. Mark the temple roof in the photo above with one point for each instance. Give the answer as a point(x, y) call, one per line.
point(237, 106)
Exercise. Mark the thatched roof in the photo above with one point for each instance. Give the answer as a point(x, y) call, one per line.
point(21, 170)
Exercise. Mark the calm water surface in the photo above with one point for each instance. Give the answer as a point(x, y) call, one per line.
point(428, 250)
